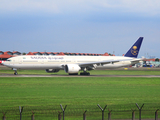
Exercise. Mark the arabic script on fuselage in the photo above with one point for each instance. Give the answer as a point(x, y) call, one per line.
point(49, 58)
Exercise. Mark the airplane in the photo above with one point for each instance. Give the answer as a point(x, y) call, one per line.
point(73, 64)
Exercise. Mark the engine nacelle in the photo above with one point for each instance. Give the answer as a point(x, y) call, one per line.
point(72, 68)
point(52, 70)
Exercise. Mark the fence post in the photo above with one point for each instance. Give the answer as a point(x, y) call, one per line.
point(4, 117)
point(32, 116)
point(133, 114)
point(59, 115)
point(20, 111)
point(140, 108)
point(63, 110)
point(102, 110)
point(156, 114)
point(109, 114)
point(84, 115)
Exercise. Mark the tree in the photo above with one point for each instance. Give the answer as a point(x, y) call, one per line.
point(157, 59)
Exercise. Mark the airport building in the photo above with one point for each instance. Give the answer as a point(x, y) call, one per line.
point(8, 54)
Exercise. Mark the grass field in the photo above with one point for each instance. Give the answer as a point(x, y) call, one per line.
point(73, 91)
point(78, 92)
point(44, 95)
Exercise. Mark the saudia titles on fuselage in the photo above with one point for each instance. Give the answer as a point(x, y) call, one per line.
point(45, 58)
point(134, 50)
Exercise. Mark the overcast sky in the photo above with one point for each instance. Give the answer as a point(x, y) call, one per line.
point(83, 26)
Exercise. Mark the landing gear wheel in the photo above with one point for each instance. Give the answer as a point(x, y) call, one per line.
point(15, 73)
point(73, 73)
point(84, 73)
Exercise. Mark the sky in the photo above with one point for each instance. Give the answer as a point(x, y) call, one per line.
point(80, 26)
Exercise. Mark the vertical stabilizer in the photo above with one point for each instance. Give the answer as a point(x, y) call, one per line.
point(134, 50)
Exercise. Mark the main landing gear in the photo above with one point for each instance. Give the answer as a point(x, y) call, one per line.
point(73, 73)
point(84, 73)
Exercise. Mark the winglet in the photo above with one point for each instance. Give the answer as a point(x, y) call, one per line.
point(134, 50)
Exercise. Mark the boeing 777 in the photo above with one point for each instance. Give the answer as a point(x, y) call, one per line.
point(74, 64)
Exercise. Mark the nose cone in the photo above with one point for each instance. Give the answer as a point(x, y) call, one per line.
point(1, 61)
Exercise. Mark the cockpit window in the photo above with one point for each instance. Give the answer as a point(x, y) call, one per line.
point(8, 60)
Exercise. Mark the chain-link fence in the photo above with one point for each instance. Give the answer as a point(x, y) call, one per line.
point(81, 112)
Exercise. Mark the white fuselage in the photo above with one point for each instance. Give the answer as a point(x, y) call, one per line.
point(57, 62)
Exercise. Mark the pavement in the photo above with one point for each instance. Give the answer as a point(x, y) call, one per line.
point(145, 76)
point(55, 75)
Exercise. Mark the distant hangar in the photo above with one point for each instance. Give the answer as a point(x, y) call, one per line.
point(8, 54)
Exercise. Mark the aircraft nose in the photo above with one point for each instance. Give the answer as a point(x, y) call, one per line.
point(1, 61)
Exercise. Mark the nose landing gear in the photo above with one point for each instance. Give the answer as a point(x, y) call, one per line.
point(15, 71)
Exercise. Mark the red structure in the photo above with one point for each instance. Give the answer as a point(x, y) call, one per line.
point(8, 54)
point(30, 53)
point(5, 55)
point(61, 53)
point(105, 54)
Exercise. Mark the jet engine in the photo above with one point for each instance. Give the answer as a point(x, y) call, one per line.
point(52, 70)
point(72, 68)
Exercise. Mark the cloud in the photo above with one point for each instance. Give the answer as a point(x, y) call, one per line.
point(151, 7)
point(28, 6)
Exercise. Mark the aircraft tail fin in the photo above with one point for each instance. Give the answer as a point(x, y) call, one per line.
point(134, 50)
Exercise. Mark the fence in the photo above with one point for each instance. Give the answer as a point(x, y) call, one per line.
point(82, 112)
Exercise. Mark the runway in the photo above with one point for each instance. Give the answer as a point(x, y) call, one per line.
point(145, 76)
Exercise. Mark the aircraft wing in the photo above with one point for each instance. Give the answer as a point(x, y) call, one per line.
point(136, 60)
point(100, 62)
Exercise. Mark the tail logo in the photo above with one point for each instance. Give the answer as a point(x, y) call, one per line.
point(134, 50)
